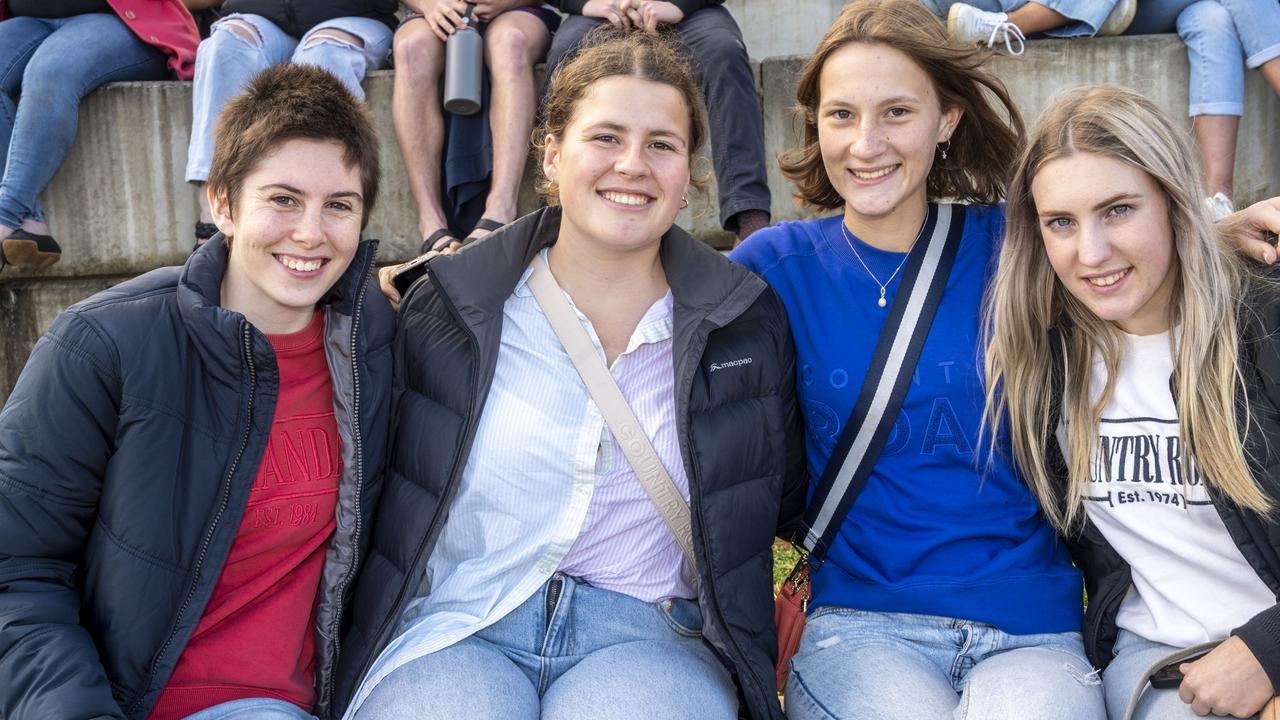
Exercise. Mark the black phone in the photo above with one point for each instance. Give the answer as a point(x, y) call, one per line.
point(410, 272)
point(1169, 677)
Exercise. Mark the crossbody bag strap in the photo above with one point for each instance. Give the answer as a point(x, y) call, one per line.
point(885, 387)
point(622, 422)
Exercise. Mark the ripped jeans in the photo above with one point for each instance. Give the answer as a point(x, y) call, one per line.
point(858, 665)
point(227, 60)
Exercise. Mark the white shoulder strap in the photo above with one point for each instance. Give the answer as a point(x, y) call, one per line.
point(617, 413)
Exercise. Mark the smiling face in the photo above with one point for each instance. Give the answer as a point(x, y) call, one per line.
point(294, 230)
point(622, 163)
point(879, 121)
point(1106, 231)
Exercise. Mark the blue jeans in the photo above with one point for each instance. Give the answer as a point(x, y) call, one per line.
point(571, 651)
point(253, 709)
point(1086, 15)
point(856, 665)
point(1218, 34)
point(1133, 655)
point(226, 61)
point(46, 67)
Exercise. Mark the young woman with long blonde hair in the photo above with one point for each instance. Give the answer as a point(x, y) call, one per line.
point(1133, 360)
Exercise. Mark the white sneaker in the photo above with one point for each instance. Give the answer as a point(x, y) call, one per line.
point(1119, 19)
point(968, 24)
point(1219, 206)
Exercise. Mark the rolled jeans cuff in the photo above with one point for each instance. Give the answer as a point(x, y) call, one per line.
point(1217, 108)
point(1259, 59)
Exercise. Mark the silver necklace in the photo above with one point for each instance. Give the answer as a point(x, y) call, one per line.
point(883, 285)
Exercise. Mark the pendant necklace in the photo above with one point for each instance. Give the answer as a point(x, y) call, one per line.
point(883, 285)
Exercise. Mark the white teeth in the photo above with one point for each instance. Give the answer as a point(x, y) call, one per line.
point(873, 174)
point(301, 265)
point(1108, 280)
point(626, 198)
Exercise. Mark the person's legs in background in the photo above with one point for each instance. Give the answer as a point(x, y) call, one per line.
point(80, 54)
point(239, 47)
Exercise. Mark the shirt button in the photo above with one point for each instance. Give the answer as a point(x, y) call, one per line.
point(129, 15)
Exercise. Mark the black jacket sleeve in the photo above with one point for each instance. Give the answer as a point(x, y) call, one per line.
point(1262, 636)
point(56, 433)
point(796, 483)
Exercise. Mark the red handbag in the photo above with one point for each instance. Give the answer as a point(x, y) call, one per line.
point(789, 610)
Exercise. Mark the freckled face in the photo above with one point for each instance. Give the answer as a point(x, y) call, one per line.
point(294, 231)
point(1106, 231)
point(879, 122)
point(622, 165)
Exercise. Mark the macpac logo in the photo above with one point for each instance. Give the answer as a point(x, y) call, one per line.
point(730, 364)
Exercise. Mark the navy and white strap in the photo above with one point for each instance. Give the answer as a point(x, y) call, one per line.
point(885, 386)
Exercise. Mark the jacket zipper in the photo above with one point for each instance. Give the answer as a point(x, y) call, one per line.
point(358, 440)
point(247, 339)
point(401, 597)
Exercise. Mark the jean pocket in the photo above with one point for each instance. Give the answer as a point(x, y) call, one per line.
point(682, 616)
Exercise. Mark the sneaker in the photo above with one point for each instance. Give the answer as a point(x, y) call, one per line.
point(968, 24)
point(1219, 206)
point(1119, 19)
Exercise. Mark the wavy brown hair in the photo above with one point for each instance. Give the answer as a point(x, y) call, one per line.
point(1027, 300)
point(607, 52)
point(988, 136)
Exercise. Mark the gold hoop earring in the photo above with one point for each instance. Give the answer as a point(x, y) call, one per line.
point(684, 201)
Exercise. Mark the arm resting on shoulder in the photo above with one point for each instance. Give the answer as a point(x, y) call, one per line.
point(55, 440)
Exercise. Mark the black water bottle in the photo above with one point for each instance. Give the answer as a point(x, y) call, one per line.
point(463, 67)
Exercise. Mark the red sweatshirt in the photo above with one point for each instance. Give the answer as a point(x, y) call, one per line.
point(257, 635)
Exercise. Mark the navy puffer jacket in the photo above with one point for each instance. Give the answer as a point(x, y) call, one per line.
point(739, 434)
point(127, 451)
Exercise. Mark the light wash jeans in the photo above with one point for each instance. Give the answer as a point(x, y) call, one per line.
point(225, 62)
point(46, 67)
point(1218, 33)
point(858, 665)
point(571, 651)
point(1133, 655)
point(253, 709)
point(1086, 15)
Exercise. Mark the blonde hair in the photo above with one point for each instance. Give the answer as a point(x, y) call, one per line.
point(1027, 300)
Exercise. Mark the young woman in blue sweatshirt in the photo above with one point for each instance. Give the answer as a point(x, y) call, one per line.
point(944, 592)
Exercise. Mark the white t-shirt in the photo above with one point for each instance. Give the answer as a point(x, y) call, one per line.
point(1190, 582)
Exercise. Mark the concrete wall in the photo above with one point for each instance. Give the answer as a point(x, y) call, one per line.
point(119, 206)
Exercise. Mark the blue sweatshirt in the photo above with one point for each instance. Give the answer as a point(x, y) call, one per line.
point(943, 527)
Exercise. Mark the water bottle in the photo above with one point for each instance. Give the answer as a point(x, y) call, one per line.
point(463, 67)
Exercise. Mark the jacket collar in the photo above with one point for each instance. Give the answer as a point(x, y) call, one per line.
point(479, 280)
point(215, 331)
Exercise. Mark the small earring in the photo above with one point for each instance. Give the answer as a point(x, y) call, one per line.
point(684, 201)
point(944, 146)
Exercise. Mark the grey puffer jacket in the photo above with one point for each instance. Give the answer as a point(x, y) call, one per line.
point(739, 431)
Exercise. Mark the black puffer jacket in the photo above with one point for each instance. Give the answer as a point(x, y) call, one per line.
point(296, 17)
point(739, 434)
point(127, 451)
point(1106, 574)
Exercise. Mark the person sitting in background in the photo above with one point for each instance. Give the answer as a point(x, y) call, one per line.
point(516, 35)
point(346, 37)
point(708, 33)
point(189, 460)
point(52, 54)
point(1218, 34)
point(1011, 21)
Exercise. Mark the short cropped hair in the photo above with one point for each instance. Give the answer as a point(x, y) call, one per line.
point(287, 102)
point(985, 142)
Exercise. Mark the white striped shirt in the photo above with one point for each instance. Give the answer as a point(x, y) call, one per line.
point(547, 488)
